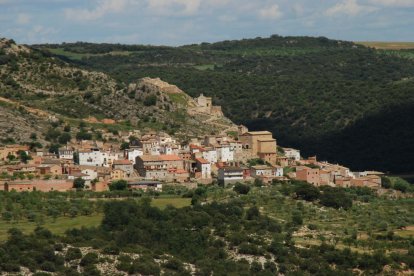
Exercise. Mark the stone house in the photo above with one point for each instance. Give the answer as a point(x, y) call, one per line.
point(39, 185)
point(124, 165)
point(12, 150)
point(49, 169)
point(158, 166)
point(118, 174)
point(260, 144)
point(312, 176)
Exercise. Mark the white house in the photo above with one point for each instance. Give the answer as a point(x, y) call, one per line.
point(66, 154)
point(203, 167)
point(97, 158)
point(278, 171)
point(134, 153)
point(91, 174)
point(210, 155)
point(293, 154)
point(264, 171)
point(93, 157)
point(225, 153)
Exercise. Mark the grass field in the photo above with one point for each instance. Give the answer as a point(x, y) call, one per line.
point(388, 45)
point(176, 202)
point(57, 227)
point(61, 224)
point(78, 56)
point(179, 99)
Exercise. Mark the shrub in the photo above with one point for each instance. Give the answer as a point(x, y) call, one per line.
point(241, 188)
point(119, 185)
point(150, 100)
point(252, 213)
point(297, 218)
point(91, 270)
point(111, 250)
point(79, 183)
point(89, 259)
point(48, 266)
point(73, 253)
point(307, 192)
point(336, 198)
point(145, 265)
point(248, 248)
point(174, 264)
point(401, 185)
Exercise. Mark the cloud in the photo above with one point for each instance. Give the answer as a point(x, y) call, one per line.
point(298, 9)
point(180, 7)
point(394, 3)
point(23, 19)
point(273, 12)
point(102, 8)
point(349, 7)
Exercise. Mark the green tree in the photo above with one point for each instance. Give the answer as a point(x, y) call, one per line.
point(54, 148)
point(83, 135)
point(401, 185)
point(386, 182)
point(64, 138)
point(297, 218)
point(120, 185)
point(79, 183)
point(24, 157)
point(124, 146)
point(241, 188)
point(307, 192)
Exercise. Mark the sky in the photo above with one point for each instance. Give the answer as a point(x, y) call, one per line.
point(179, 22)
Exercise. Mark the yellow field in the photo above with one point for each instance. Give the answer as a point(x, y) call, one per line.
point(406, 233)
point(387, 45)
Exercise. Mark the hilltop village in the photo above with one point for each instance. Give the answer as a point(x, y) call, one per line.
point(149, 160)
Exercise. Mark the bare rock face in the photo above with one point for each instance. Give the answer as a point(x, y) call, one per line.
point(162, 86)
point(10, 47)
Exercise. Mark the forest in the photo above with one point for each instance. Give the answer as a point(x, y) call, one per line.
point(319, 95)
point(246, 229)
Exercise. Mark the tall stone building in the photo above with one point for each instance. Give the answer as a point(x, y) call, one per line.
point(260, 144)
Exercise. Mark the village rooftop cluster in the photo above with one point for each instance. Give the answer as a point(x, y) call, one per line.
point(153, 159)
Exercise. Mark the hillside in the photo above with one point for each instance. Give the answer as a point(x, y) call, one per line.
point(306, 90)
point(36, 88)
point(387, 45)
